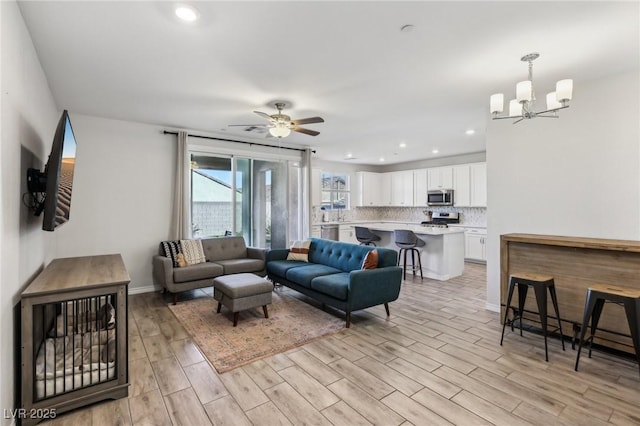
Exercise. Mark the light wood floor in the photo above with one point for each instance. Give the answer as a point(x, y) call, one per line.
point(436, 360)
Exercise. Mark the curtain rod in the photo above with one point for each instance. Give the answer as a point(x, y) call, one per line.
point(168, 132)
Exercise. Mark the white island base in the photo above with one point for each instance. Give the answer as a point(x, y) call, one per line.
point(442, 255)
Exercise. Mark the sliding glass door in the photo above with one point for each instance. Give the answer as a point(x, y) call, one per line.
point(254, 198)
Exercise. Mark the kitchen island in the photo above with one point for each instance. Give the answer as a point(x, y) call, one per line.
point(442, 255)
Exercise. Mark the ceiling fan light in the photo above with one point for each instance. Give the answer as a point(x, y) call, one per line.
point(280, 131)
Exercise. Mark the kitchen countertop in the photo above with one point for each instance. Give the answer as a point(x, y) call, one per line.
point(418, 229)
point(404, 222)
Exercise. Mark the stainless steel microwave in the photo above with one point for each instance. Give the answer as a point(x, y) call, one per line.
point(440, 197)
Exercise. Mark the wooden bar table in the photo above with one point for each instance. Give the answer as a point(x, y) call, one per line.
point(576, 263)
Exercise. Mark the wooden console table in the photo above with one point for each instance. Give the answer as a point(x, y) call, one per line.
point(576, 263)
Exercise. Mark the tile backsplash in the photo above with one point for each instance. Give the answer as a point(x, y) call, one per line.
point(471, 216)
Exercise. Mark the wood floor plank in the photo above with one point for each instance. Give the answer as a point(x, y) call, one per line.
point(411, 356)
point(424, 377)
point(443, 358)
point(262, 374)
point(280, 361)
point(148, 409)
point(447, 409)
point(365, 380)
point(136, 347)
point(486, 410)
point(341, 414)
point(186, 352)
point(412, 410)
point(226, 412)
point(114, 412)
point(170, 376)
point(366, 405)
point(342, 349)
point(297, 409)
point(141, 377)
point(268, 414)
point(205, 382)
point(314, 367)
point(244, 390)
point(184, 408)
point(312, 390)
point(393, 378)
point(157, 347)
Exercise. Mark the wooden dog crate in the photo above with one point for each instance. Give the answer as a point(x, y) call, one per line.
point(74, 333)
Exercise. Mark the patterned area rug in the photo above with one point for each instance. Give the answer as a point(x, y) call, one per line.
point(292, 322)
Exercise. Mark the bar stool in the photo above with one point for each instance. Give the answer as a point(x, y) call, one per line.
point(596, 296)
point(540, 284)
point(406, 240)
point(365, 236)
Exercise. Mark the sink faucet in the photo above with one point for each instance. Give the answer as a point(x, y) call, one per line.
point(340, 218)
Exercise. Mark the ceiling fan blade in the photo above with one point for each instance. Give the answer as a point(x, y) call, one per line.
point(305, 131)
point(247, 125)
point(308, 120)
point(264, 115)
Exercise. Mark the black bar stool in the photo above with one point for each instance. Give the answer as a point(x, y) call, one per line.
point(540, 284)
point(365, 236)
point(406, 240)
point(596, 296)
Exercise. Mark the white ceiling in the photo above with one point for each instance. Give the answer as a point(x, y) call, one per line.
point(347, 62)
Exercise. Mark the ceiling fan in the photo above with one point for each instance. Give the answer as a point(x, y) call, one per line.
point(280, 125)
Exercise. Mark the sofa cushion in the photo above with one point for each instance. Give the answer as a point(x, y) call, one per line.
point(224, 248)
point(192, 251)
point(299, 251)
point(370, 260)
point(171, 249)
point(196, 272)
point(280, 267)
point(334, 285)
point(236, 266)
point(340, 255)
point(304, 274)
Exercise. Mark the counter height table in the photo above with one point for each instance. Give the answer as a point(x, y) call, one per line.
point(576, 263)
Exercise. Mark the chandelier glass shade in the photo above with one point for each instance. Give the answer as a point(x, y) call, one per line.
point(524, 105)
point(280, 130)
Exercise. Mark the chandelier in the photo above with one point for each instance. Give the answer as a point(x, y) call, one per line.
point(523, 106)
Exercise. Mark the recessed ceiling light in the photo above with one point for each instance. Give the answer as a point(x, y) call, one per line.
point(403, 145)
point(381, 159)
point(349, 155)
point(435, 151)
point(187, 13)
point(470, 132)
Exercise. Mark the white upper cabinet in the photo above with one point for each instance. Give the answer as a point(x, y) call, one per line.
point(478, 181)
point(440, 178)
point(401, 188)
point(461, 186)
point(420, 188)
point(373, 189)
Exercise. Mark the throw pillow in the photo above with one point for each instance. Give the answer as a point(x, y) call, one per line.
point(171, 250)
point(299, 251)
point(192, 250)
point(370, 260)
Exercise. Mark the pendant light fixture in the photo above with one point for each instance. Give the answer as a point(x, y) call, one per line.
point(523, 106)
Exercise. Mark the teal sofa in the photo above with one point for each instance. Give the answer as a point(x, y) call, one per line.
point(334, 277)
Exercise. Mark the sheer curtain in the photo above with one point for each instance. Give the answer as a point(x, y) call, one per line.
point(180, 224)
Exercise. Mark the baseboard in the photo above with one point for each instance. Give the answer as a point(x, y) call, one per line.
point(492, 307)
point(144, 289)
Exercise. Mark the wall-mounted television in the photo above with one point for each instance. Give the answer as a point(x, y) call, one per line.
point(51, 190)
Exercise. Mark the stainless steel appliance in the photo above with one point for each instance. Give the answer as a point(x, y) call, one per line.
point(330, 232)
point(440, 197)
point(442, 219)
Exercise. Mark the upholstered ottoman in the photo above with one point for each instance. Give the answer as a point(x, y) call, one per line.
point(238, 292)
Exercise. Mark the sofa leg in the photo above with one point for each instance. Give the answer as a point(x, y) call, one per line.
point(175, 298)
point(219, 307)
point(235, 318)
point(348, 319)
point(266, 312)
point(386, 307)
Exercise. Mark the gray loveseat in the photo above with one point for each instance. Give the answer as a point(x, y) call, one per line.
point(334, 277)
point(225, 255)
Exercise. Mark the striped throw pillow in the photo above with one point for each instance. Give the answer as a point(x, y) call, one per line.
point(299, 251)
point(171, 250)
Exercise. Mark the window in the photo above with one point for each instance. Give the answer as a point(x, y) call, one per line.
point(335, 191)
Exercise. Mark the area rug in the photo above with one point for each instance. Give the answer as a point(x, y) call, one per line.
point(291, 323)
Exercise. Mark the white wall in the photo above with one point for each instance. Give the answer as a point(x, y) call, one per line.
point(29, 117)
point(578, 175)
point(122, 194)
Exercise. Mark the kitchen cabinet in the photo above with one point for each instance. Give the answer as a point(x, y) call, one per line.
point(316, 183)
point(374, 189)
point(401, 188)
point(461, 186)
point(347, 234)
point(440, 178)
point(478, 193)
point(475, 247)
point(420, 188)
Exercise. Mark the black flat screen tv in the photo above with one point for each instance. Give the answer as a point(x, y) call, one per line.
point(59, 176)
